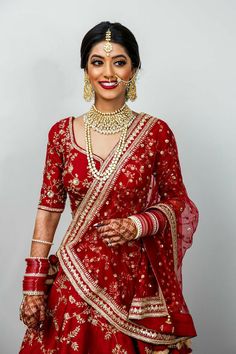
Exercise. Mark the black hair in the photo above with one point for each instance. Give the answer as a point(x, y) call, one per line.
point(119, 34)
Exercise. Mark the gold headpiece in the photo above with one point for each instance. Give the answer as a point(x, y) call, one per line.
point(108, 46)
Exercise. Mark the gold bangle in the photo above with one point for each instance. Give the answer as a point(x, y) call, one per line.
point(33, 292)
point(42, 241)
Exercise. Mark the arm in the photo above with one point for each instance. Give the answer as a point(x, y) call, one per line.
point(51, 205)
point(172, 199)
point(45, 226)
point(33, 306)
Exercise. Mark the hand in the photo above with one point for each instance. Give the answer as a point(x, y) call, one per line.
point(33, 311)
point(117, 231)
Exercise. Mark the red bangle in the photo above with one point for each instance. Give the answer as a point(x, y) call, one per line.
point(35, 276)
point(37, 265)
point(147, 223)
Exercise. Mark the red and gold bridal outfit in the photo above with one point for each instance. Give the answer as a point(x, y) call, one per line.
point(117, 300)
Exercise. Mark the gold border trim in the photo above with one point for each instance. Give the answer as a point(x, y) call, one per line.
point(170, 214)
point(50, 209)
point(73, 268)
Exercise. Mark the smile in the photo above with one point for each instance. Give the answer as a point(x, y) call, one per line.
point(108, 85)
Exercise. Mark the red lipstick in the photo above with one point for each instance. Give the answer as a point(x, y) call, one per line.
point(108, 85)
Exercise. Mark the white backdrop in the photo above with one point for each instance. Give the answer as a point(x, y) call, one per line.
point(188, 57)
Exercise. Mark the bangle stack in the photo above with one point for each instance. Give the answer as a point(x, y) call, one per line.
point(146, 223)
point(35, 276)
point(138, 225)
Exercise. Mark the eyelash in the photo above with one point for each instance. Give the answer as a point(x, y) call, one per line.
point(99, 62)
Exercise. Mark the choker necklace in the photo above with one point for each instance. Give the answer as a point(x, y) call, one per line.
point(109, 123)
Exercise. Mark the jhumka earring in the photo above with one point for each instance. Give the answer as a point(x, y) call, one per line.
point(108, 46)
point(131, 93)
point(88, 89)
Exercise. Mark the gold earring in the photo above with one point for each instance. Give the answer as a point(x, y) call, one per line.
point(131, 93)
point(88, 89)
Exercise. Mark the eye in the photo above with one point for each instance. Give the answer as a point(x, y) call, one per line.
point(120, 62)
point(96, 62)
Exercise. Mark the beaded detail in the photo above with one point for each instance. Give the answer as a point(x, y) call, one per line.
point(42, 241)
point(109, 122)
point(138, 226)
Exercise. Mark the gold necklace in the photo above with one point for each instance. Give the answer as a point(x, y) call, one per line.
point(109, 123)
point(103, 176)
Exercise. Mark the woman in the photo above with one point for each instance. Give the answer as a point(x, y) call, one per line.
point(118, 288)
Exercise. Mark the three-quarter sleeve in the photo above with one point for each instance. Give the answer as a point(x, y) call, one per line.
point(53, 193)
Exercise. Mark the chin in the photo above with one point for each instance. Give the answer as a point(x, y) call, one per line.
point(111, 96)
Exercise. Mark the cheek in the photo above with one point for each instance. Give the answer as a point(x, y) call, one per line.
point(125, 73)
point(94, 72)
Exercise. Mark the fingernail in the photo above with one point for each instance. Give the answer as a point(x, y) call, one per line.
point(97, 224)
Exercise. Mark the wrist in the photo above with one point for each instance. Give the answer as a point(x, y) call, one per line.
point(138, 226)
point(35, 276)
point(147, 223)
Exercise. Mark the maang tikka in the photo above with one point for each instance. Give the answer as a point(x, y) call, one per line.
point(108, 46)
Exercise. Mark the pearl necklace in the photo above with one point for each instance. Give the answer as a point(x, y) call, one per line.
point(109, 123)
point(103, 176)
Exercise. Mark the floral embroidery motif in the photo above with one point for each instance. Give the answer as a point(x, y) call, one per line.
point(118, 283)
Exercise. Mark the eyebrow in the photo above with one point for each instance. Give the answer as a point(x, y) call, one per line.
point(116, 56)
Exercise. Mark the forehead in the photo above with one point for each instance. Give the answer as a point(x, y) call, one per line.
point(117, 49)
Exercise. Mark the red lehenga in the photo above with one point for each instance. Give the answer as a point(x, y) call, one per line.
point(126, 299)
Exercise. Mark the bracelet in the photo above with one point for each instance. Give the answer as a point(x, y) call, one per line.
point(28, 292)
point(155, 222)
point(38, 258)
point(138, 225)
point(35, 276)
point(147, 223)
point(42, 241)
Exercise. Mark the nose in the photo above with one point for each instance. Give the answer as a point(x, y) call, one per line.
point(108, 71)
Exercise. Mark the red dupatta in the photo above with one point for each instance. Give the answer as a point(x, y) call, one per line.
point(111, 279)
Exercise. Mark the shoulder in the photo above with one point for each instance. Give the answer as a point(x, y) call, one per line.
point(59, 127)
point(161, 132)
point(159, 125)
point(59, 130)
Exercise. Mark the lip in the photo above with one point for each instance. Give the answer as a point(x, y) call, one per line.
point(108, 85)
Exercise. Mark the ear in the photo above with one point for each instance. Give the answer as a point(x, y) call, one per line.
point(133, 72)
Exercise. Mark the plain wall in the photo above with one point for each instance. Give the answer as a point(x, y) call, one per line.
point(188, 79)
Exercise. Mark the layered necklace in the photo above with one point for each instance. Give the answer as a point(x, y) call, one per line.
point(107, 123)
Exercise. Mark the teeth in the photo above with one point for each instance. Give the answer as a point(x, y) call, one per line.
point(108, 84)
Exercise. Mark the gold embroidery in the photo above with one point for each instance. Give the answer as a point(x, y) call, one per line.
point(59, 210)
point(74, 269)
point(148, 307)
point(169, 212)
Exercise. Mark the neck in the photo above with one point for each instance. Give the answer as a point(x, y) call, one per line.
point(109, 106)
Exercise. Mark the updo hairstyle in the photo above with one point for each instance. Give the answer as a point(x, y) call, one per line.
point(119, 34)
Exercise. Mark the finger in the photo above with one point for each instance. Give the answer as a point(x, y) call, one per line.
point(109, 234)
point(33, 325)
point(30, 322)
point(42, 314)
point(103, 229)
point(113, 241)
point(102, 223)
